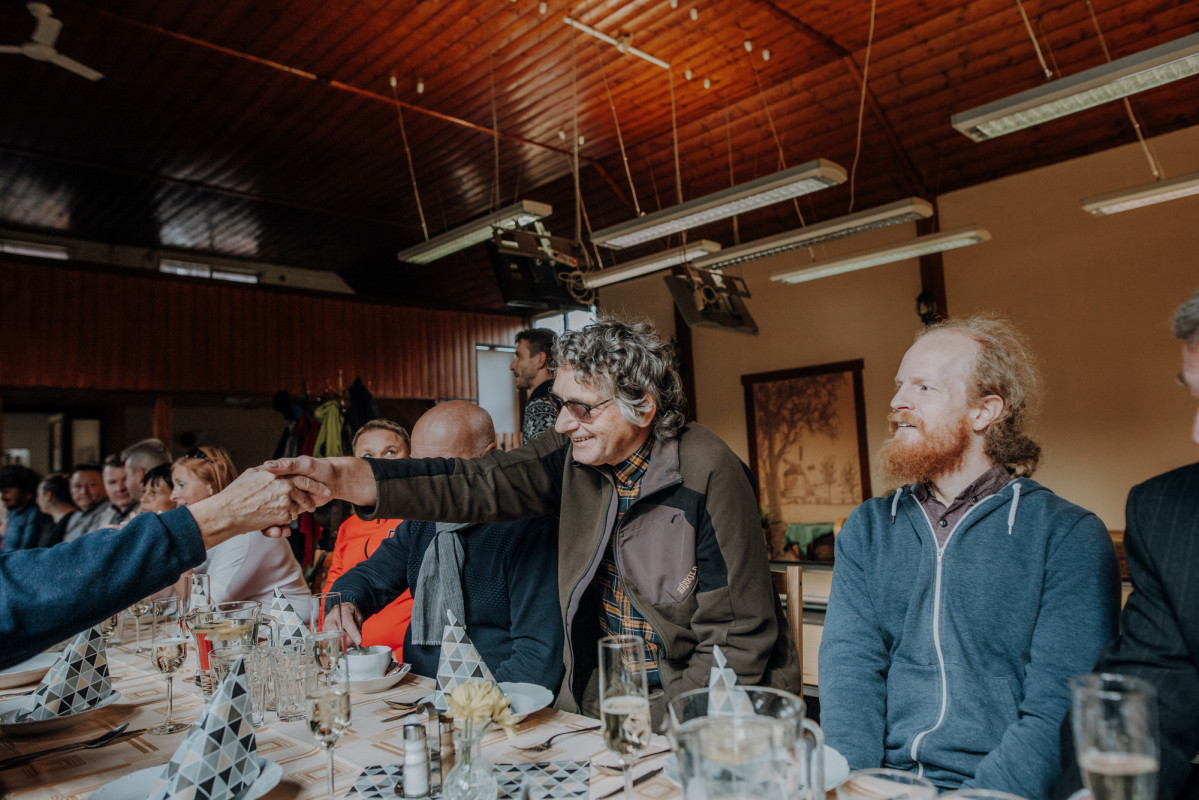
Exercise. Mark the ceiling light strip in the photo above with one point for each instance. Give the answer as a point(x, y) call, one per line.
point(622, 46)
point(652, 263)
point(471, 233)
point(1141, 196)
point(908, 210)
point(768, 190)
point(914, 248)
point(1120, 78)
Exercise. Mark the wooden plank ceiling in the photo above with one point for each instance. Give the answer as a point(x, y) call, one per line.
point(266, 130)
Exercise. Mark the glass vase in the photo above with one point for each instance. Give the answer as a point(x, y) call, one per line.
point(472, 777)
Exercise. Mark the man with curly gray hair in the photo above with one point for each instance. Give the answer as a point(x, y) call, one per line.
point(659, 533)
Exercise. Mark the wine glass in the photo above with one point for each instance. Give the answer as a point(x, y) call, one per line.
point(197, 592)
point(320, 604)
point(624, 701)
point(1115, 735)
point(168, 649)
point(328, 712)
point(327, 649)
point(108, 629)
point(139, 610)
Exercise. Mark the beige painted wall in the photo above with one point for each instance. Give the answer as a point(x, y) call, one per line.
point(1094, 295)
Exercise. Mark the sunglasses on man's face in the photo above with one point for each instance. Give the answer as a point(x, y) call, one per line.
point(579, 410)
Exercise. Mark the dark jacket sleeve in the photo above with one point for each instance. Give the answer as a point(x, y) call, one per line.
point(537, 634)
point(48, 594)
point(1161, 544)
point(380, 579)
point(497, 487)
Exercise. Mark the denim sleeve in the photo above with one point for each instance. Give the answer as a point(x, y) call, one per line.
point(50, 593)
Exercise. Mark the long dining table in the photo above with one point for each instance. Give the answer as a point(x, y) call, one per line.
point(369, 741)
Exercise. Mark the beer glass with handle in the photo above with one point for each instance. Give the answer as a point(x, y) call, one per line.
point(624, 701)
point(1115, 735)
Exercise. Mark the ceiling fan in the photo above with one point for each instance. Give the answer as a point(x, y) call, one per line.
point(41, 46)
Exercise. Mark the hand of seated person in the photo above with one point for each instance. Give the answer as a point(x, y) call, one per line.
point(345, 617)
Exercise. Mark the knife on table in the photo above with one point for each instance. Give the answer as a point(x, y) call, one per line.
point(636, 782)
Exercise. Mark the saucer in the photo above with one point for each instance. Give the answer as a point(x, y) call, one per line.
point(36, 727)
point(138, 785)
point(27, 671)
point(381, 684)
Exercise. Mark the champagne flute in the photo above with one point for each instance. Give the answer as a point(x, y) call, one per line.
point(168, 649)
point(138, 610)
point(624, 701)
point(321, 604)
point(328, 712)
point(1115, 735)
point(108, 629)
point(327, 649)
point(197, 592)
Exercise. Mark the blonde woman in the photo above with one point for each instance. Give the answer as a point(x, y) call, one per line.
point(247, 567)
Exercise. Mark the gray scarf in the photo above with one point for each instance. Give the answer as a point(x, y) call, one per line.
point(439, 585)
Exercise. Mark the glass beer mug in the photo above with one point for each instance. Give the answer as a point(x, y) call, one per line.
point(760, 746)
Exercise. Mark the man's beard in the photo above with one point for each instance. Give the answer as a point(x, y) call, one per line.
point(938, 452)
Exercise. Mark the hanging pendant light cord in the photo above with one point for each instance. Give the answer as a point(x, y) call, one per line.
point(495, 122)
point(778, 143)
point(857, 152)
point(674, 130)
point(1035, 45)
point(408, 152)
point(1154, 164)
point(619, 138)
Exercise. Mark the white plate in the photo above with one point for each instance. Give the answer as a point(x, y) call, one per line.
point(27, 671)
point(137, 785)
point(836, 769)
point(36, 727)
point(526, 697)
point(372, 685)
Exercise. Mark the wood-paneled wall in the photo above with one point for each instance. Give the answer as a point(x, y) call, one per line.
point(77, 329)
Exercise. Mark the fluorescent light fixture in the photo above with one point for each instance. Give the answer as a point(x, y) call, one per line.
point(920, 246)
point(192, 269)
point(1120, 78)
point(653, 263)
point(1139, 196)
point(462, 237)
point(771, 189)
point(34, 249)
point(909, 210)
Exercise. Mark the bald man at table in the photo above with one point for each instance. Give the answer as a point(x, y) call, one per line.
point(51, 593)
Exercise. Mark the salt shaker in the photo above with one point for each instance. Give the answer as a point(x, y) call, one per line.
point(416, 760)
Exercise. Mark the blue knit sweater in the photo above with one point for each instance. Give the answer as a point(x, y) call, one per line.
point(509, 585)
point(954, 663)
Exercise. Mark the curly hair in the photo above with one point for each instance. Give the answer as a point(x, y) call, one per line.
point(634, 363)
point(1186, 320)
point(1005, 367)
point(214, 466)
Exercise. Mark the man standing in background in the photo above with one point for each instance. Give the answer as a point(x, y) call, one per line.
point(533, 368)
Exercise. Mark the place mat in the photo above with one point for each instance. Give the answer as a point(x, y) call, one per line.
point(378, 781)
point(549, 778)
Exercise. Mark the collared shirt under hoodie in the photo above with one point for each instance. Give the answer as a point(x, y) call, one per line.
point(618, 615)
point(945, 519)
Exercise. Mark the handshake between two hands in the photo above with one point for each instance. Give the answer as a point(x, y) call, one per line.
point(270, 496)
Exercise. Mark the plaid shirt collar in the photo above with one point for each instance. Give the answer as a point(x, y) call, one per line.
point(628, 474)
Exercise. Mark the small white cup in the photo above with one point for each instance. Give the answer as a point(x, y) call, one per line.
point(368, 662)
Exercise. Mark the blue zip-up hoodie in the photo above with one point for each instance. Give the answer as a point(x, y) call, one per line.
point(954, 662)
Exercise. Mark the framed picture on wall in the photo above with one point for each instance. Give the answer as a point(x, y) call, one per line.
point(807, 446)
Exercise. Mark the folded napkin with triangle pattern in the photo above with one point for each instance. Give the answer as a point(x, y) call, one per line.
point(77, 681)
point(459, 662)
point(218, 759)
